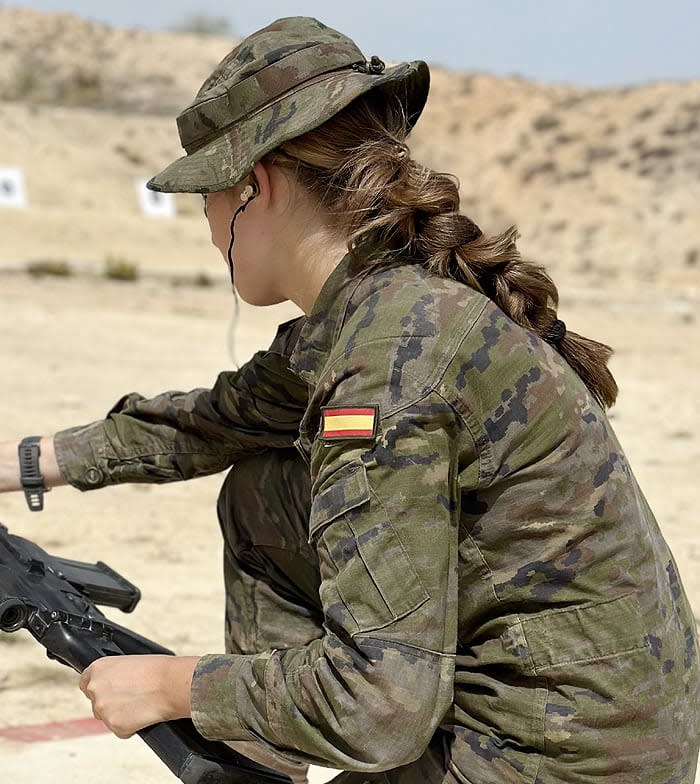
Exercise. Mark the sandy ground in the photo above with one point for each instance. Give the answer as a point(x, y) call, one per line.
point(71, 347)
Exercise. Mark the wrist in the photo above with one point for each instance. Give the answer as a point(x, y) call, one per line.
point(9, 465)
point(176, 685)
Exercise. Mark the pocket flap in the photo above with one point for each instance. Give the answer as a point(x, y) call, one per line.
point(349, 488)
point(585, 633)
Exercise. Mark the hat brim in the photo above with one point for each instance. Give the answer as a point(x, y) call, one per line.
point(228, 158)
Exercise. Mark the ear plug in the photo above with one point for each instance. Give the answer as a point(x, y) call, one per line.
point(248, 193)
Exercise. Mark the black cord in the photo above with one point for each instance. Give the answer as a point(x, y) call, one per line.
point(236, 305)
point(233, 237)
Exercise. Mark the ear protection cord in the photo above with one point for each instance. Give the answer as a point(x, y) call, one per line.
point(249, 192)
point(236, 304)
point(233, 237)
point(230, 335)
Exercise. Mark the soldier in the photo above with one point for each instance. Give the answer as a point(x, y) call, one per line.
point(439, 566)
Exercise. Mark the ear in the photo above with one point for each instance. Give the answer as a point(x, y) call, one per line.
point(273, 185)
point(262, 180)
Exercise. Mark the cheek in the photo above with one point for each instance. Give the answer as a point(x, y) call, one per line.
point(219, 228)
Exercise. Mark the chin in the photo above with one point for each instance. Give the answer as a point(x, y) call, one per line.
point(260, 300)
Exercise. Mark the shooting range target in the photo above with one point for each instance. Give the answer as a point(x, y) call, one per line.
point(12, 192)
point(154, 204)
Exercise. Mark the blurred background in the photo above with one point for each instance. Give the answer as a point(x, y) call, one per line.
point(576, 42)
point(577, 121)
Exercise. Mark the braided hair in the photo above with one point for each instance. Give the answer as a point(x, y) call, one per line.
point(359, 167)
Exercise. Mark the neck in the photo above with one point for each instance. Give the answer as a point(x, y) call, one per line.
point(316, 254)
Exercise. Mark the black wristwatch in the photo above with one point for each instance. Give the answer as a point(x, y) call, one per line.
point(30, 475)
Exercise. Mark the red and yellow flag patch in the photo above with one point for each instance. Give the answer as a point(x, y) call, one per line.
point(344, 422)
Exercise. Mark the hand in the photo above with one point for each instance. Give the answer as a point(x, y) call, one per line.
point(131, 692)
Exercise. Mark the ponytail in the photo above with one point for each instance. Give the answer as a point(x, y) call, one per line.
point(359, 167)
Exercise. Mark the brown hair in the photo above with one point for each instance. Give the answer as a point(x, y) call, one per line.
point(359, 167)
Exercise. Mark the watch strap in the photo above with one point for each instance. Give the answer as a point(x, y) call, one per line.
point(30, 474)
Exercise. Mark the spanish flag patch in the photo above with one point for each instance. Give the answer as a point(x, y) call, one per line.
point(340, 422)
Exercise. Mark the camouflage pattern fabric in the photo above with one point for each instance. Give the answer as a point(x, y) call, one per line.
point(497, 603)
point(271, 571)
point(181, 435)
point(279, 83)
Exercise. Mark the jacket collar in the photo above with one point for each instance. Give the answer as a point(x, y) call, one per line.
point(320, 331)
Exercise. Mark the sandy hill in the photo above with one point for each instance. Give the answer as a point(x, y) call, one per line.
point(603, 184)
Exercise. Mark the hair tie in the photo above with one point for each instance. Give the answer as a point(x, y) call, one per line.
point(555, 333)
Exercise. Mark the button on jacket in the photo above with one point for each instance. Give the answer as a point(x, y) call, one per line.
point(490, 570)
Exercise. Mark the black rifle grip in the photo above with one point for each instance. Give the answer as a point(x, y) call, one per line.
point(53, 598)
point(195, 760)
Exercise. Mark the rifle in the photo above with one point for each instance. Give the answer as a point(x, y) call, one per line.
point(55, 600)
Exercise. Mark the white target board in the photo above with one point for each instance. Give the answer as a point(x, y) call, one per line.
point(154, 204)
point(12, 192)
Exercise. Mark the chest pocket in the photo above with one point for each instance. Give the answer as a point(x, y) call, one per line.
point(368, 580)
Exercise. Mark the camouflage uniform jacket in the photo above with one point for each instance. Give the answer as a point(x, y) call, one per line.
point(491, 572)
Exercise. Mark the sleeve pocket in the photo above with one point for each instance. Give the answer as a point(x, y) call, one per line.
point(369, 580)
point(585, 633)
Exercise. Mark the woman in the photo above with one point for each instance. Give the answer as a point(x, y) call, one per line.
point(439, 566)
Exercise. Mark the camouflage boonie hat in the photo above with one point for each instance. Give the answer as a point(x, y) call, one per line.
point(278, 83)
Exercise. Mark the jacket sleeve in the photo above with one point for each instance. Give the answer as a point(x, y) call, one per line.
point(371, 692)
point(181, 435)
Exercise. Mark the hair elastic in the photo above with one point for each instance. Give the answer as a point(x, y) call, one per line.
point(555, 333)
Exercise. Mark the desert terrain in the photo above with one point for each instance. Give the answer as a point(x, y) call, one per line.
point(603, 184)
